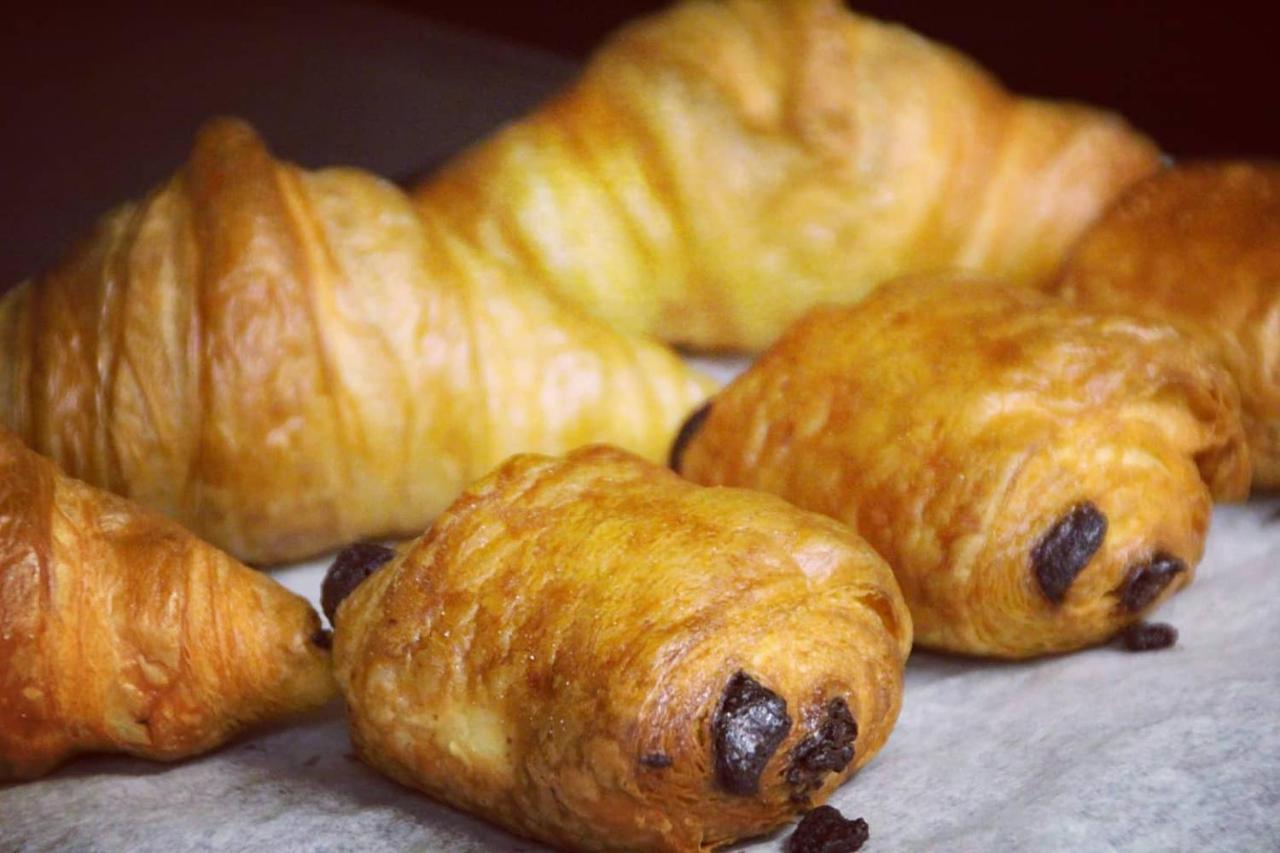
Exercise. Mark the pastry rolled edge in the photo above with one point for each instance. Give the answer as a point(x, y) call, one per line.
point(593, 652)
point(121, 632)
point(1038, 477)
point(1198, 246)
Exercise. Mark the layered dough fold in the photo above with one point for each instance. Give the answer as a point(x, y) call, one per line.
point(1198, 247)
point(121, 632)
point(724, 165)
point(286, 361)
point(593, 652)
point(1039, 477)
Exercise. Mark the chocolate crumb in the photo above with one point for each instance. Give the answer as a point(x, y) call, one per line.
point(1145, 581)
point(322, 638)
point(1148, 636)
point(687, 431)
point(747, 729)
point(1066, 549)
point(827, 750)
point(352, 565)
point(657, 760)
point(825, 830)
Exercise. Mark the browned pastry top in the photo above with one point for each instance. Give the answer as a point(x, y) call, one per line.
point(1198, 246)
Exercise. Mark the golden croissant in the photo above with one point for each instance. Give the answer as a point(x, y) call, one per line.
point(286, 361)
point(724, 165)
point(121, 632)
point(591, 651)
point(1037, 476)
point(1198, 247)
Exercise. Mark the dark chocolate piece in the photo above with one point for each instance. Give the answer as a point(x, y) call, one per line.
point(1066, 549)
point(827, 750)
point(352, 565)
point(748, 727)
point(322, 638)
point(1148, 636)
point(687, 431)
point(657, 760)
point(1145, 581)
point(825, 830)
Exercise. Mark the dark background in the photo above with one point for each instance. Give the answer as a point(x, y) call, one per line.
point(1199, 77)
point(99, 104)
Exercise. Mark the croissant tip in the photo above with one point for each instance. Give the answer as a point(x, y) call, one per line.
point(223, 132)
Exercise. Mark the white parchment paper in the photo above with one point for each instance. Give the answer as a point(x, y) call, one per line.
point(1101, 750)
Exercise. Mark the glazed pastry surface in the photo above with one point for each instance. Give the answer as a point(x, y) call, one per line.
point(1038, 477)
point(1198, 247)
point(286, 361)
point(594, 652)
point(121, 632)
point(726, 164)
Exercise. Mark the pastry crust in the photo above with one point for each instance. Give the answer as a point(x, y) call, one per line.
point(724, 165)
point(287, 361)
point(578, 645)
point(1038, 477)
point(1198, 247)
point(121, 632)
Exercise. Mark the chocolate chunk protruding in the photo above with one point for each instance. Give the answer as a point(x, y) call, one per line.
point(825, 830)
point(1145, 581)
point(747, 729)
point(687, 431)
point(322, 638)
point(1148, 636)
point(1063, 552)
point(827, 750)
point(352, 565)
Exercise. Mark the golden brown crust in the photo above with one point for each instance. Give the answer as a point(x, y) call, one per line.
point(1198, 247)
point(552, 653)
point(955, 422)
point(726, 164)
point(121, 632)
point(286, 361)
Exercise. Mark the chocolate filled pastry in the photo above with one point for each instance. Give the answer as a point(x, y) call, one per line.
point(1037, 476)
point(287, 361)
point(1198, 247)
point(593, 652)
point(121, 632)
point(724, 165)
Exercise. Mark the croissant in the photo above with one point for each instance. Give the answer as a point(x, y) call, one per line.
point(722, 166)
point(121, 632)
point(593, 652)
point(1037, 476)
point(285, 361)
point(1198, 246)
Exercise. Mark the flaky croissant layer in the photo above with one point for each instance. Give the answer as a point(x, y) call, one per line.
point(724, 165)
point(593, 652)
point(1198, 246)
point(1037, 476)
point(121, 632)
point(286, 361)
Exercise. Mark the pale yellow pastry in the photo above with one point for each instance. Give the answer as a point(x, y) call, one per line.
point(723, 165)
point(286, 361)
